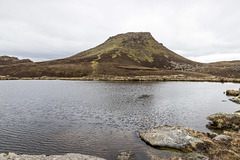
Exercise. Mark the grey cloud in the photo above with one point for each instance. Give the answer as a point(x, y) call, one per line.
point(53, 29)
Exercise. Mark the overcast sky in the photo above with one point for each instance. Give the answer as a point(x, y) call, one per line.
point(201, 30)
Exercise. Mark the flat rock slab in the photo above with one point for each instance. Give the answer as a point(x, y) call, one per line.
point(168, 137)
point(69, 156)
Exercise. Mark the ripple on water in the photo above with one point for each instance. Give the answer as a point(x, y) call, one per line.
point(101, 118)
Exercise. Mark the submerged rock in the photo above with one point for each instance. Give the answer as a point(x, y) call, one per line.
point(70, 156)
point(125, 155)
point(168, 137)
point(225, 120)
point(235, 99)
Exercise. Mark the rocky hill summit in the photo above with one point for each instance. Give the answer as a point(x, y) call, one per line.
point(134, 50)
point(134, 37)
point(131, 38)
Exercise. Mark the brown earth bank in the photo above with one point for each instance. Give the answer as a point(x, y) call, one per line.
point(178, 77)
point(130, 54)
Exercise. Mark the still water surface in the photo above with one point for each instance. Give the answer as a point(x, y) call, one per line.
point(101, 118)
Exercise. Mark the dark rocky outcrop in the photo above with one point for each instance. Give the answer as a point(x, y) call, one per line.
point(233, 92)
point(225, 120)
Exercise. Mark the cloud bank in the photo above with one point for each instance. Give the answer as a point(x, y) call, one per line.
point(204, 30)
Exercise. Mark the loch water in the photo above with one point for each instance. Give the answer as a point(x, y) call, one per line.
point(101, 118)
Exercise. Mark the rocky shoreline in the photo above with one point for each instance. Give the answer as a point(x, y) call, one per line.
point(200, 145)
point(178, 77)
point(223, 144)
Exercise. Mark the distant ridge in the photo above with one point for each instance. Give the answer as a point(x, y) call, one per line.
point(129, 54)
point(7, 60)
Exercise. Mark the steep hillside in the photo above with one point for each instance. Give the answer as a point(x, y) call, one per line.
point(134, 51)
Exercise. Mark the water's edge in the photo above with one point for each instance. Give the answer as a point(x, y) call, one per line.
point(131, 78)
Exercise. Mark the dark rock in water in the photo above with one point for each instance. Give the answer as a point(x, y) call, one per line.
point(144, 96)
point(125, 155)
point(168, 137)
point(235, 99)
point(232, 93)
point(225, 120)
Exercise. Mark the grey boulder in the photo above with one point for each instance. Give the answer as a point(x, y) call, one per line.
point(168, 137)
point(220, 137)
